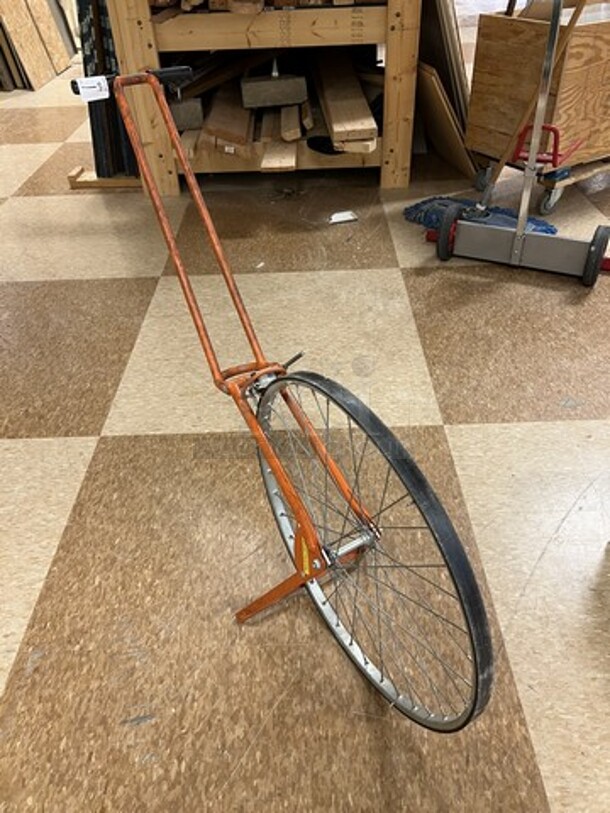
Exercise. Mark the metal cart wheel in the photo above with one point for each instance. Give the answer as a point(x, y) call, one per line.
point(482, 178)
point(550, 199)
point(446, 232)
point(595, 257)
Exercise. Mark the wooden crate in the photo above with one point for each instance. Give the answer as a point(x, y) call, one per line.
point(507, 67)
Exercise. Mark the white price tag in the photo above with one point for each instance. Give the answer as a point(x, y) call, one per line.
point(93, 88)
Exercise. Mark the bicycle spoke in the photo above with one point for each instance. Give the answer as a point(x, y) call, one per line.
point(390, 593)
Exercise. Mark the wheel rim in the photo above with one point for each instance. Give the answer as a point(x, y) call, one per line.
point(391, 600)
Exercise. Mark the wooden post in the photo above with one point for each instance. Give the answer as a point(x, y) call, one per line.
point(402, 47)
point(136, 50)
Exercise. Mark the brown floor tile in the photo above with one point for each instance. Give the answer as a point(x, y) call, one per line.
point(37, 125)
point(285, 228)
point(135, 689)
point(65, 346)
point(52, 177)
point(512, 345)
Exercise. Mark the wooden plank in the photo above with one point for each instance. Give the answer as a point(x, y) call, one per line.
point(226, 118)
point(290, 123)
point(280, 156)
point(285, 28)
point(49, 34)
point(136, 50)
point(440, 121)
point(212, 161)
point(402, 44)
point(245, 6)
point(271, 127)
point(189, 139)
point(273, 91)
point(27, 42)
point(348, 116)
point(307, 115)
point(364, 147)
point(81, 178)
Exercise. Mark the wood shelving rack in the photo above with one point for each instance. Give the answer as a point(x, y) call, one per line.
point(140, 38)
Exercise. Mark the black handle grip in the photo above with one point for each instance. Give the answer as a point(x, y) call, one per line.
point(174, 76)
point(178, 75)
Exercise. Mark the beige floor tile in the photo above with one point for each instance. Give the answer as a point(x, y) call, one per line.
point(136, 685)
point(355, 326)
point(81, 134)
point(52, 177)
point(64, 347)
point(37, 125)
point(82, 236)
point(40, 481)
point(539, 496)
point(18, 162)
point(512, 345)
point(56, 93)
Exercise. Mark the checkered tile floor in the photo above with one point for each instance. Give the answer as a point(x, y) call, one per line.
point(130, 494)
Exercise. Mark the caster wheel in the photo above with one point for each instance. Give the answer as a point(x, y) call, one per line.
point(595, 256)
point(549, 200)
point(482, 178)
point(446, 232)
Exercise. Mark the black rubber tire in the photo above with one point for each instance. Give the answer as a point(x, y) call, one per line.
point(595, 255)
point(550, 200)
point(442, 537)
point(444, 241)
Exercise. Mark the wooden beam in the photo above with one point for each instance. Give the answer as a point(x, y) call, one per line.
point(291, 123)
point(348, 116)
point(134, 37)
point(81, 178)
point(280, 156)
point(402, 47)
point(287, 28)
point(271, 128)
point(226, 118)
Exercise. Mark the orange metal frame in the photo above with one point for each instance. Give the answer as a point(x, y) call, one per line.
point(235, 381)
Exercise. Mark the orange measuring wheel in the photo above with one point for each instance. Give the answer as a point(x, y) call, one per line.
point(369, 540)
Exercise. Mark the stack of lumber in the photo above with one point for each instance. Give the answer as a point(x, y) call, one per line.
point(251, 106)
point(35, 44)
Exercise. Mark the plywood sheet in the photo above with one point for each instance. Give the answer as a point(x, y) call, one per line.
point(21, 28)
point(508, 62)
point(49, 34)
point(441, 122)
